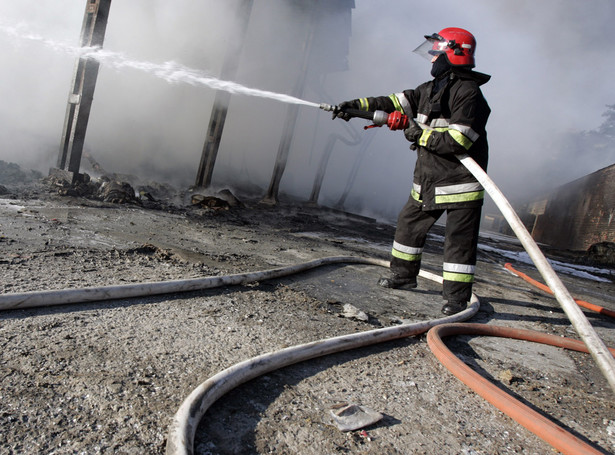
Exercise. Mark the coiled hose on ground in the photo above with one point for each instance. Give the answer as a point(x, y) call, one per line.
point(596, 347)
point(541, 426)
point(180, 440)
point(181, 436)
point(181, 433)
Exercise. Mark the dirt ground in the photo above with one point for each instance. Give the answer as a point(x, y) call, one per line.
point(107, 377)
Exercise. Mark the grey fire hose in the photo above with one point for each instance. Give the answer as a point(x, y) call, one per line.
point(180, 440)
point(595, 345)
point(14, 301)
point(181, 435)
point(185, 421)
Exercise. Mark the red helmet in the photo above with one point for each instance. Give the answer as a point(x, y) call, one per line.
point(457, 44)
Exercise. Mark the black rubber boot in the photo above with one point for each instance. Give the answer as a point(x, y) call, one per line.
point(395, 282)
point(453, 307)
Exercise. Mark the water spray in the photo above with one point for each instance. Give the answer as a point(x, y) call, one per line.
point(170, 71)
point(174, 73)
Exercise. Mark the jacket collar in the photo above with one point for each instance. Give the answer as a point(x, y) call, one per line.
point(463, 73)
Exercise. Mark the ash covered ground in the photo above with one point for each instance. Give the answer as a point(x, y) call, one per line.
point(107, 377)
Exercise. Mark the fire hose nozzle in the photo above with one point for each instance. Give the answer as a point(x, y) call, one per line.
point(329, 107)
point(380, 118)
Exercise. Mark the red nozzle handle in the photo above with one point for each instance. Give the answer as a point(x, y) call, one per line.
point(397, 121)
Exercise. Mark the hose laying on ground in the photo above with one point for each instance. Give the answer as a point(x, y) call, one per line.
point(13, 301)
point(547, 289)
point(535, 422)
point(596, 347)
point(185, 421)
point(180, 439)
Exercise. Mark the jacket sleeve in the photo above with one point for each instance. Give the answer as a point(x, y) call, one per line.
point(395, 102)
point(460, 133)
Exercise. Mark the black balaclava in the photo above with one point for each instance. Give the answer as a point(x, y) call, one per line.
point(440, 66)
point(439, 70)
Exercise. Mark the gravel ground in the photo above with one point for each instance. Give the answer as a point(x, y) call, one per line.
point(107, 377)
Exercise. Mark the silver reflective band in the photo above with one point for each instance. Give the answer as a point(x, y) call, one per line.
point(403, 101)
point(407, 249)
point(459, 188)
point(416, 187)
point(458, 268)
point(466, 131)
point(439, 123)
point(422, 118)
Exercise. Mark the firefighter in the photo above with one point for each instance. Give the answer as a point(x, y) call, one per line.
point(448, 116)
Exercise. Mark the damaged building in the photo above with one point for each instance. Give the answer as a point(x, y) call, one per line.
point(576, 215)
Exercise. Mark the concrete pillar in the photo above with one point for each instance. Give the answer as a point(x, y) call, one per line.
point(82, 91)
point(221, 102)
point(291, 116)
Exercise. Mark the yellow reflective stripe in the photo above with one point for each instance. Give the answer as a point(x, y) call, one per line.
point(396, 103)
point(460, 139)
point(364, 104)
point(458, 277)
point(416, 195)
point(457, 136)
point(461, 197)
point(405, 256)
point(405, 104)
point(466, 131)
point(424, 137)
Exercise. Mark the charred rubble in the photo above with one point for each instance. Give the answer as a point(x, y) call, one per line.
point(129, 189)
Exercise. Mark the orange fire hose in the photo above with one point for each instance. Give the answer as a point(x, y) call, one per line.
point(539, 285)
point(544, 428)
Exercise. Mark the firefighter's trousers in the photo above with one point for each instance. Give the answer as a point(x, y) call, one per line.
point(460, 243)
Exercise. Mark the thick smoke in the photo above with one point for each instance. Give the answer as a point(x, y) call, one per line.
point(549, 61)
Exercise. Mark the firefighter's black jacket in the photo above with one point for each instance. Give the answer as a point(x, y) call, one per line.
point(453, 119)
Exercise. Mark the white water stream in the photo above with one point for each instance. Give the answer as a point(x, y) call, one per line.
point(169, 71)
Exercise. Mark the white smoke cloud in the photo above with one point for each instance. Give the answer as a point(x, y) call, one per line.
point(549, 61)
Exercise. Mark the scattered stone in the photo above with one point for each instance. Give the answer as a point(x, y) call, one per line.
point(211, 202)
point(229, 198)
point(507, 377)
point(352, 312)
point(152, 250)
point(117, 192)
point(350, 417)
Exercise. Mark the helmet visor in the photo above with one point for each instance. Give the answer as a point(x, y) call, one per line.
point(434, 45)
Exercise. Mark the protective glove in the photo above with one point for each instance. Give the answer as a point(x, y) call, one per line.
point(338, 113)
point(413, 132)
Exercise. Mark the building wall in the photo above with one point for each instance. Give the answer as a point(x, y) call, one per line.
point(578, 214)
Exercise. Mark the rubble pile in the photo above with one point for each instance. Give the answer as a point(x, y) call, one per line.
point(13, 174)
point(602, 253)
